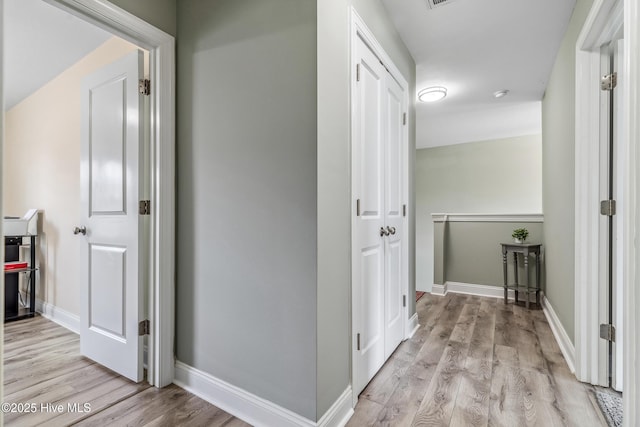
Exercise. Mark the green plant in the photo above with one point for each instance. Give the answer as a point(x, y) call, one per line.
point(520, 234)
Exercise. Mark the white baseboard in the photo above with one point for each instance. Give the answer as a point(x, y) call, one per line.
point(564, 342)
point(61, 317)
point(254, 409)
point(478, 290)
point(413, 325)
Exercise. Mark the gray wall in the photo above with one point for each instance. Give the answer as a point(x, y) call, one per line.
point(160, 13)
point(498, 176)
point(558, 160)
point(246, 235)
point(334, 183)
point(471, 251)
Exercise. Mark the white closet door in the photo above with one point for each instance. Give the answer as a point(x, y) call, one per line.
point(368, 262)
point(393, 178)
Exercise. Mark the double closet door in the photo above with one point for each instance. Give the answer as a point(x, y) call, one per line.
point(378, 247)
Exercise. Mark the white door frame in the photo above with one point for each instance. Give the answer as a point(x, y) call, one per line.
point(161, 47)
point(603, 22)
point(358, 29)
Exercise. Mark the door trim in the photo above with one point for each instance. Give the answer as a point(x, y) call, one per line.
point(161, 46)
point(358, 29)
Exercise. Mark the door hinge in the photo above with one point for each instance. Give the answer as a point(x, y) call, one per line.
point(145, 207)
point(609, 81)
point(358, 342)
point(358, 207)
point(608, 207)
point(608, 332)
point(357, 72)
point(404, 210)
point(144, 87)
point(404, 119)
point(404, 300)
point(144, 327)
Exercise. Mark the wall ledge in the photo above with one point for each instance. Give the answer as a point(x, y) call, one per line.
point(487, 217)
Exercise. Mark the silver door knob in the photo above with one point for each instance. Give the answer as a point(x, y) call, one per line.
point(383, 232)
point(80, 230)
point(391, 230)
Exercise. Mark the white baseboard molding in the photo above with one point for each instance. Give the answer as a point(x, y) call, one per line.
point(564, 342)
point(57, 315)
point(413, 325)
point(477, 290)
point(254, 409)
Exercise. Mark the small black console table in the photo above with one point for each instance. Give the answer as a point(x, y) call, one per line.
point(525, 249)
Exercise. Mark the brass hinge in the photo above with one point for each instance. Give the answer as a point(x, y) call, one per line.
point(609, 82)
point(358, 341)
point(357, 72)
point(144, 87)
point(358, 207)
point(404, 210)
point(144, 327)
point(608, 332)
point(608, 207)
point(404, 300)
point(145, 207)
point(404, 119)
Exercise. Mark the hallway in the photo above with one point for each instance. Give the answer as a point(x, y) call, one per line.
point(476, 362)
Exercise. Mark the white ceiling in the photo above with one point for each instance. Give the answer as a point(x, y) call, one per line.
point(41, 41)
point(475, 48)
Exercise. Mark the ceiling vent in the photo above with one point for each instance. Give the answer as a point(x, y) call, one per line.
point(437, 3)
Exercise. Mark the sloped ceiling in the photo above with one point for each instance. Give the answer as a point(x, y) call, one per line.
point(41, 41)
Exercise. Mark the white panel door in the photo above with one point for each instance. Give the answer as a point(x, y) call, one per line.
point(111, 297)
point(368, 262)
point(393, 215)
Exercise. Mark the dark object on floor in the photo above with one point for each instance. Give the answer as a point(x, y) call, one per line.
point(611, 407)
point(419, 295)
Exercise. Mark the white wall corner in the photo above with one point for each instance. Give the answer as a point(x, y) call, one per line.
point(240, 403)
point(564, 342)
point(340, 412)
point(413, 326)
point(57, 315)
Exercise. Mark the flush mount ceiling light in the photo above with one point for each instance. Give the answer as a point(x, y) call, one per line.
point(431, 94)
point(500, 93)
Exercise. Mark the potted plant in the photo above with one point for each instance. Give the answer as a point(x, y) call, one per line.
point(520, 235)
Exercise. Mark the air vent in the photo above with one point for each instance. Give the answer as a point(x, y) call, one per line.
point(437, 3)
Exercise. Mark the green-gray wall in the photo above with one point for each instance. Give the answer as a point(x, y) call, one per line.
point(160, 13)
point(497, 176)
point(246, 233)
point(558, 171)
point(334, 183)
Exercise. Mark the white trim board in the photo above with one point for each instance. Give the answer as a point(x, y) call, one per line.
point(58, 315)
point(560, 334)
point(254, 409)
point(413, 326)
point(481, 217)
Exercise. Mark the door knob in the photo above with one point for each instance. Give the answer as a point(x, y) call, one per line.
point(391, 230)
point(80, 230)
point(383, 232)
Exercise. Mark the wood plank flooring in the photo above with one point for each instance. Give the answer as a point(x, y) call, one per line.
point(43, 365)
point(476, 362)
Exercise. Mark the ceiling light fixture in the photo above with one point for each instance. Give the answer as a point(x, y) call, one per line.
point(500, 93)
point(431, 94)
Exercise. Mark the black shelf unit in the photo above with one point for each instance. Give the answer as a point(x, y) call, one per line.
point(30, 271)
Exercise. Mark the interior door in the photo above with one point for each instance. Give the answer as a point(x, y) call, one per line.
point(111, 297)
point(393, 215)
point(368, 263)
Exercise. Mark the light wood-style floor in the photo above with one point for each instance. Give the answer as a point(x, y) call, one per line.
point(43, 365)
point(476, 362)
